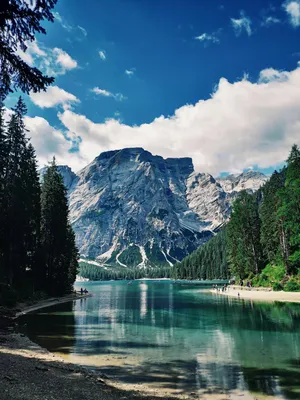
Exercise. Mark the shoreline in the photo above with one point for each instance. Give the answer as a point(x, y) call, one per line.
point(30, 372)
point(259, 295)
point(26, 308)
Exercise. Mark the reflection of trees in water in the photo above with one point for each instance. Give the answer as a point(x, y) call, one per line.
point(194, 341)
point(52, 327)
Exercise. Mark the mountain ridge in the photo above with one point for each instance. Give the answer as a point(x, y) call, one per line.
point(129, 208)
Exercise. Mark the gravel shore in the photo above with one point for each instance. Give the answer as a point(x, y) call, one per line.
point(29, 372)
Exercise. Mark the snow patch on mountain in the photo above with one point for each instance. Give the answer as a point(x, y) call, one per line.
point(131, 207)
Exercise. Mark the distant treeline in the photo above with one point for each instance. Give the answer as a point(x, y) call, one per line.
point(96, 273)
point(261, 242)
point(37, 243)
point(207, 262)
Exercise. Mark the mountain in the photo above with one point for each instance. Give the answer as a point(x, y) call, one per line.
point(250, 181)
point(65, 171)
point(130, 208)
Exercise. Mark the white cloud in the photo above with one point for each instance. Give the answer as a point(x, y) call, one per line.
point(207, 38)
point(271, 75)
point(106, 93)
point(64, 59)
point(102, 55)
point(102, 92)
point(82, 30)
point(292, 8)
point(269, 20)
point(51, 61)
point(54, 96)
point(49, 142)
point(130, 71)
point(60, 19)
point(242, 24)
point(242, 125)
point(70, 28)
point(33, 51)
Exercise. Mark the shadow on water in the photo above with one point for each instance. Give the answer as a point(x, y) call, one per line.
point(274, 381)
point(184, 376)
point(178, 338)
point(211, 378)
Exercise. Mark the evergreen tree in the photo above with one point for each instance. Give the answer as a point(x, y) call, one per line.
point(32, 210)
point(273, 235)
point(289, 212)
point(58, 248)
point(207, 262)
point(244, 247)
point(14, 202)
point(20, 20)
point(3, 166)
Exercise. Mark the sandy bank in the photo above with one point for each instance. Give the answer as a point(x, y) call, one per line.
point(261, 295)
point(52, 301)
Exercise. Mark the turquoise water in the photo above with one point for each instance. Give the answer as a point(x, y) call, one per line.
point(177, 337)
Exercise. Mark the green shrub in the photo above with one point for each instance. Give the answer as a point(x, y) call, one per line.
point(292, 285)
point(277, 286)
point(271, 275)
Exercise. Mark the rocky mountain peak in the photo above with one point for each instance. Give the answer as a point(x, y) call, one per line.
point(249, 180)
point(134, 209)
point(66, 172)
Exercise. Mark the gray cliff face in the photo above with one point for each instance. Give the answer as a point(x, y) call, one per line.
point(130, 197)
point(131, 208)
point(250, 181)
point(67, 174)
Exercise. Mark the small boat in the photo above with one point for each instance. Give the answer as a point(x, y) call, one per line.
point(129, 283)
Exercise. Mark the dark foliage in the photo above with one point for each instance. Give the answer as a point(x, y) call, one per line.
point(37, 243)
point(208, 262)
point(20, 20)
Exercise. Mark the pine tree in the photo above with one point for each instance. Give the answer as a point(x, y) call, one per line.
point(3, 166)
point(289, 212)
point(58, 248)
point(19, 22)
point(32, 210)
point(14, 205)
point(207, 262)
point(273, 235)
point(244, 247)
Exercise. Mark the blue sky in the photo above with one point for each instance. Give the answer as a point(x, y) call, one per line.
point(214, 80)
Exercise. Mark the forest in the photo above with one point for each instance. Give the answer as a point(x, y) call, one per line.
point(37, 243)
point(38, 255)
point(261, 242)
point(95, 273)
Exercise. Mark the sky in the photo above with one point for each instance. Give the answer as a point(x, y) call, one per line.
point(215, 80)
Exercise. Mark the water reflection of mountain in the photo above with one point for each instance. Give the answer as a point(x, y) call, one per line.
point(176, 337)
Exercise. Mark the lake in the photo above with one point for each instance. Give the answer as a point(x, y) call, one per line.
point(178, 338)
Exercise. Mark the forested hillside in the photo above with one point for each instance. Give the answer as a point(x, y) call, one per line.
point(37, 244)
point(208, 262)
point(261, 242)
point(96, 273)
